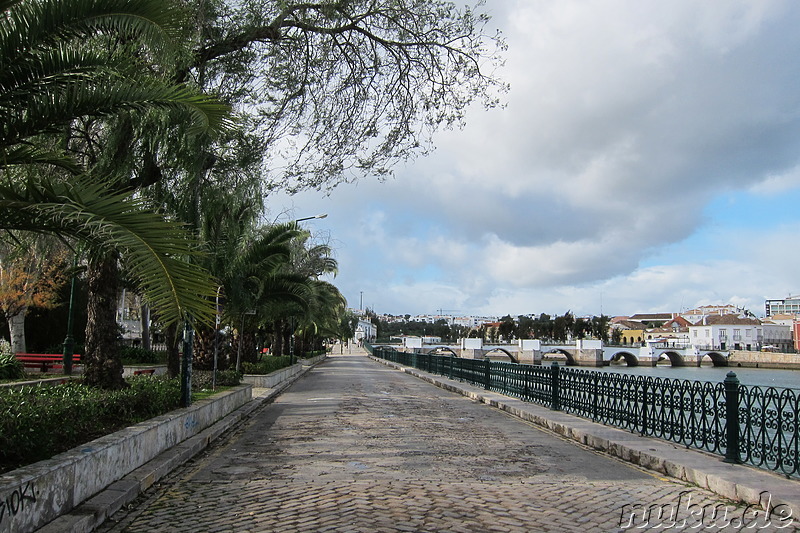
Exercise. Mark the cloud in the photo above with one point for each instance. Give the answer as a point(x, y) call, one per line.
point(624, 122)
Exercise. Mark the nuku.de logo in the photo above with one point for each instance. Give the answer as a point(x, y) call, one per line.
point(683, 513)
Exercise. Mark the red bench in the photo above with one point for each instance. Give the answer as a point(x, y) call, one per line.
point(45, 361)
point(149, 371)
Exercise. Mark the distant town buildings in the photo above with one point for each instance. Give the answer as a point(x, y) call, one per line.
point(711, 327)
point(787, 306)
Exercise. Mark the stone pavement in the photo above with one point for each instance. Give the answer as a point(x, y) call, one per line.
point(356, 446)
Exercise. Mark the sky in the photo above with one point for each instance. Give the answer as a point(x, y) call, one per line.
point(647, 160)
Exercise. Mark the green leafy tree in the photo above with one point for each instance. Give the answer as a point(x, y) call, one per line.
point(524, 326)
point(543, 327)
point(68, 59)
point(508, 328)
point(341, 89)
point(599, 327)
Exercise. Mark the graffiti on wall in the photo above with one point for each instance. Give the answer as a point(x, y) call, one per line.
point(16, 502)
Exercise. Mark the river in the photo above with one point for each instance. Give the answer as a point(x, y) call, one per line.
point(788, 379)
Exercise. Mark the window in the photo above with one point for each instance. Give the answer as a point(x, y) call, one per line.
point(748, 333)
point(723, 333)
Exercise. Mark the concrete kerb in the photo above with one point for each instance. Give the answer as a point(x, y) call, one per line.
point(741, 483)
point(89, 515)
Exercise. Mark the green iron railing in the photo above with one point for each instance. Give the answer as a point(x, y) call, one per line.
point(756, 425)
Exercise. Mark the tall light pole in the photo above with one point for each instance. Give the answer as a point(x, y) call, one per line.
point(321, 215)
point(291, 339)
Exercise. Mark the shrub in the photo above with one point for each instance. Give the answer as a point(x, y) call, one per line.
point(10, 366)
point(136, 355)
point(202, 379)
point(267, 366)
point(39, 422)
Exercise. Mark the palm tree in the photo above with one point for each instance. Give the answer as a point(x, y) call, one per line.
point(321, 315)
point(323, 318)
point(64, 59)
point(256, 277)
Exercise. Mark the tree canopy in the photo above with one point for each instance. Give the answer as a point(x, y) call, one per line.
point(338, 90)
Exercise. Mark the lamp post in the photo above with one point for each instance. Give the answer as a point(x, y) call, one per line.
point(291, 338)
point(241, 340)
point(69, 340)
point(321, 215)
point(216, 339)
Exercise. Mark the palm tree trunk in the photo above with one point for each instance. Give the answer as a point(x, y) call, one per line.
point(103, 367)
point(173, 351)
point(277, 339)
point(145, 314)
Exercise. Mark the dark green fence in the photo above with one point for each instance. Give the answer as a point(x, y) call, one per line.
point(763, 428)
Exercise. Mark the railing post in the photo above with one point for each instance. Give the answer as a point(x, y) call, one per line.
point(451, 367)
point(527, 394)
point(732, 419)
point(487, 373)
point(555, 400)
point(644, 407)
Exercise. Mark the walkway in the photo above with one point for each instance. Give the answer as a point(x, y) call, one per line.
point(356, 446)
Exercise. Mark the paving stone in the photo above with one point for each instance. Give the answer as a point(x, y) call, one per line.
point(389, 452)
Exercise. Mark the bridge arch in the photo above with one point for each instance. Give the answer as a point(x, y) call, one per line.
point(570, 358)
point(442, 349)
point(675, 359)
point(630, 359)
point(385, 347)
point(510, 356)
point(717, 359)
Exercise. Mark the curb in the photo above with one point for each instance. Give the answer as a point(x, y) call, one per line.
point(741, 483)
point(92, 513)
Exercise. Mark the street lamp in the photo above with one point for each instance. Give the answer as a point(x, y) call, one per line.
point(241, 339)
point(321, 215)
point(291, 339)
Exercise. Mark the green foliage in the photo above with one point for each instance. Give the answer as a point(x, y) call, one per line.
point(64, 59)
point(135, 355)
point(10, 367)
point(39, 422)
point(267, 366)
point(203, 379)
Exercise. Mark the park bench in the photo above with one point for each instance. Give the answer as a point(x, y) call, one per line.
point(149, 371)
point(45, 361)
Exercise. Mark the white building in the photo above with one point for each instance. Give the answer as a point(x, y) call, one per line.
point(788, 306)
point(736, 332)
point(365, 331)
point(778, 336)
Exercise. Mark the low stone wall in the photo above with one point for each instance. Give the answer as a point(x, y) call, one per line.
point(741, 358)
point(267, 381)
point(129, 370)
point(32, 496)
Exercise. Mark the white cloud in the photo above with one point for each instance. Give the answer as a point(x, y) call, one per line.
point(624, 120)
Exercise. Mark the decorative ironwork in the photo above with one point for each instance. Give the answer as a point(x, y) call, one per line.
point(769, 428)
point(756, 425)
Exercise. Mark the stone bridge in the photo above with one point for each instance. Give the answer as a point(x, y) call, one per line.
point(581, 353)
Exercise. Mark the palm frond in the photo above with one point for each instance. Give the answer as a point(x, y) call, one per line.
point(23, 154)
point(28, 26)
point(105, 97)
point(154, 250)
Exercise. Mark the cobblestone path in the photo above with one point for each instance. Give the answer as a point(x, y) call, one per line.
point(356, 446)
